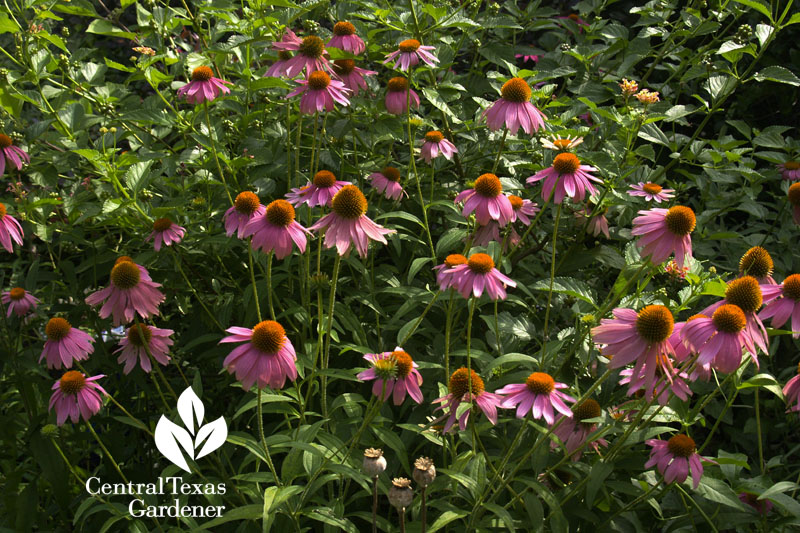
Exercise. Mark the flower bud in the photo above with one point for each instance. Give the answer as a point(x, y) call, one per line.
point(401, 494)
point(50, 431)
point(424, 472)
point(374, 462)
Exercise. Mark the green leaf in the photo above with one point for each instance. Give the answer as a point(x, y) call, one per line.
point(7, 25)
point(652, 133)
point(778, 488)
point(416, 265)
point(326, 515)
point(502, 514)
point(445, 518)
point(763, 31)
point(758, 6)
point(719, 84)
point(137, 175)
point(104, 27)
point(598, 475)
point(570, 286)
point(246, 512)
point(778, 74)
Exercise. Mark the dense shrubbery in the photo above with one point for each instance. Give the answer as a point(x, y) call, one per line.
point(314, 206)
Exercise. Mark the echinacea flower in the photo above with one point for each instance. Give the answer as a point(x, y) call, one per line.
point(569, 178)
point(310, 53)
point(166, 232)
point(793, 196)
point(523, 209)
point(478, 274)
point(573, 430)
point(639, 338)
point(395, 374)
point(408, 54)
point(398, 95)
point(514, 110)
point(351, 75)
point(11, 154)
point(790, 170)
point(760, 506)
point(387, 181)
point(277, 229)
point(320, 93)
point(528, 57)
point(76, 396)
point(791, 392)
point(318, 192)
point(467, 386)
point(487, 200)
point(746, 293)
point(675, 458)
point(758, 263)
point(131, 291)
point(664, 232)
point(667, 379)
point(278, 68)
point(65, 344)
point(204, 87)
point(10, 229)
point(444, 272)
point(436, 144)
point(561, 144)
point(138, 340)
point(486, 234)
point(652, 192)
point(245, 207)
point(539, 394)
point(345, 38)
point(349, 224)
point(267, 358)
point(19, 301)
point(781, 309)
point(596, 224)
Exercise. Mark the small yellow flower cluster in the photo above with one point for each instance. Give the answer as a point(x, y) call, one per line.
point(146, 50)
point(628, 87)
point(646, 97)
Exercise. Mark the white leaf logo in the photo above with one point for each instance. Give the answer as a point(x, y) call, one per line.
point(173, 441)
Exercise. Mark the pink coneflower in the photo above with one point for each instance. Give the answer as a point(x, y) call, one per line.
point(165, 231)
point(65, 344)
point(387, 181)
point(746, 293)
point(345, 38)
point(523, 209)
point(793, 196)
point(467, 386)
point(478, 274)
point(319, 93)
point(139, 339)
point(10, 153)
point(791, 392)
point(267, 358)
point(76, 396)
point(596, 224)
point(674, 459)
point(278, 68)
point(245, 207)
point(310, 53)
point(652, 192)
point(487, 200)
point(781, 309)
point(486, 234)
point(348, 223)
point(790, 170)
point(10, 230)
point(758, 263)
point(561, 144)
point(636, 337)
point(19, 301)
point(664, 231)
point(528, 57)
point(318, 192)
point(408, 54)
point(761, 506)
point(444, 272)
point(351, 75)
point(204, 87)
point(652, 386)
point(721, 338)
point(130, 292)
point(573, 431)
point(398, 94)
point(514, 110)
point(568, 176)
point(436, 144)
point(395, 374)
point(276, 229)
point(539, 395)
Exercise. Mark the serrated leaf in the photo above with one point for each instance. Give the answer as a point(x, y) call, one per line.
point(778, 74)
point(570, 286)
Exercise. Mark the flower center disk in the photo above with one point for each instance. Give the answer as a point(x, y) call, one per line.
point(434, 136)
point(409, 45)
point(202, 74)
point(744, 292)
point(655, 323)
point(268, 336)
point(792, 165)
point(757, 262)
point(562, 144)
point(5, 141)
point(680, 220)
point(681, 445)
point(391, 174)
point(324, 179)
point(246, 203)
point(516, 202)
point(344, 66)
point(17, 293)
point(459, 383)
point(480, 263)
point(652, 188)
point(71, 382)
point(566, 163)
point(319, 80)
point(455, 259)
point(343, 28)
point(403, 363)
point(162, 224)
point(540, 383)
point(397, 84)
point(57, 328)
point(2, 210)
point(791, 287)
point(488, 186)
point(349, 202)
point(729, 318)
point(516, 90)
point(280, 213)
point(139, 335)
point(385, 368)
point(312, 46)
point(794, 194)
point(123, 259)
point(125, 275)
point(586, 410)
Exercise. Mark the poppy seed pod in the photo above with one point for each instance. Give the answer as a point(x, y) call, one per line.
point(401, 494)
point(374, 462)
point(424, 471)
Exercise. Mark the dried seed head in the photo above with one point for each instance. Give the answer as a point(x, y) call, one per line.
point(374, 462)
point(424, 472)
point(401, 494)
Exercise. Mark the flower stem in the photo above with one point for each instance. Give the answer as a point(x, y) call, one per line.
point(447, 330)
point(758, 435)
point(500, 151)
point(550, 290)
point(419, 320)
point(424, 510)
point(106, 452)
point(264, 442)
point(253, 278)
point(326, 352)
point(413, 166)
point(214, 151)
point(296, 152)
point(269, 285)
point(375, 505)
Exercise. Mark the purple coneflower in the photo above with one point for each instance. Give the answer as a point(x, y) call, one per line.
point(345, 38)
point(781, 309)
point(478, 274)
point(395, 374)
point(561, 144)
point(408, 54)
point(674, 459)
point(444, 272)
point(278, 68)
point(596, 224)
point(131, 291)
point(398, 94)
point(523, 209)
point(139, 339)
point(318, 192)
point(758, 263)
point(319, 93)
point(664, 232)
point(245, 207)
point(791, 392)
point(569, 178)
point(267, 358)
point(467, 386)
point(652, 192)
point(10, 230)
point(539, 395)
point(761, 506)
point(436, 144)
point(204, 87)
point(277, 229)
point(487, 200)
point(76, 396)
point(11, 154)
point(514, 110)
point(310, 53)
point(65, 344)
point(790, 170)
point(19, 301)
point(387, 181)
point(573, 431)
point(351, 75)
point(651, 384)
point(793, 196)
point(166, 232)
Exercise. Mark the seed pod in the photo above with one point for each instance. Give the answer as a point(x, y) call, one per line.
point(401, 494)
point(374, 462)
point(424, 471)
